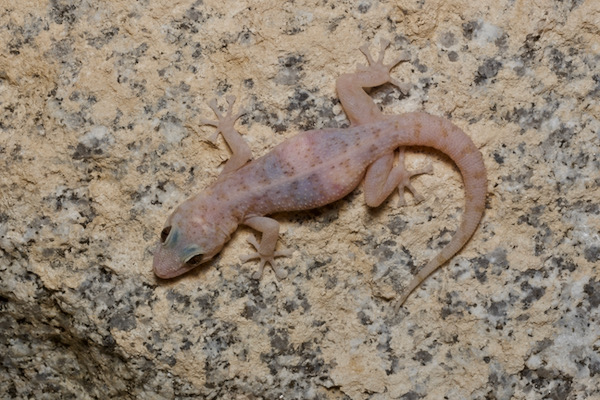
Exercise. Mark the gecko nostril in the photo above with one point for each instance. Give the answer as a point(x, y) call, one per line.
point(165, 234)
point(194, 261)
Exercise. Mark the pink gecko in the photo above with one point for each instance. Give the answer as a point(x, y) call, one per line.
point(315, 168)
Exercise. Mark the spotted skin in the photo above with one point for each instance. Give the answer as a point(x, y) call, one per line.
point(315, 168)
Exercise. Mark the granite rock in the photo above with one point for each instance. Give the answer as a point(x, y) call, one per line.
point(100, 138)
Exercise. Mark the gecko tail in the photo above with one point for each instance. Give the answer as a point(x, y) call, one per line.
point(421, 129)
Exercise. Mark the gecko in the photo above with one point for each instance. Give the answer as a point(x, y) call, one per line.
point(315, 168)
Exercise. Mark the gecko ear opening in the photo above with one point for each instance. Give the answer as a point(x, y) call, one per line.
point(165, 234)
point(195, 260)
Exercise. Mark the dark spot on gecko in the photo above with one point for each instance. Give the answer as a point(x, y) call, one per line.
point(417, 129)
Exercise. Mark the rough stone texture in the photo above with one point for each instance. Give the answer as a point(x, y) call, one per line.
point(100, 104)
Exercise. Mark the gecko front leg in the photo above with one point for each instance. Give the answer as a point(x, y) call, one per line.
point(241, 152)
point(265, 250)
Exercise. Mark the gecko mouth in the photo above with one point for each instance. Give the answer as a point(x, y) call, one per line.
point(168, 273)
point(165, 267)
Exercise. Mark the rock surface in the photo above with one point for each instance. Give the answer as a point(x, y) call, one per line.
point(100, 138)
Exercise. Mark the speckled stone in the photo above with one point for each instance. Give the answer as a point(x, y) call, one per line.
point(100, 138)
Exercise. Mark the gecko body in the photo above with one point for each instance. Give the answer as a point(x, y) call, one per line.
point(315, 168)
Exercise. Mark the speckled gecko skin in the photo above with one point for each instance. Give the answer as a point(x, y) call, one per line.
point(316, 168)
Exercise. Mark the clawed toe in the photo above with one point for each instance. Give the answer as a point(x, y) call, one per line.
point(379, 62)
point(225, 126)
point(381, 69)
point(407, 175)
point(280, 273)
point(224, 121)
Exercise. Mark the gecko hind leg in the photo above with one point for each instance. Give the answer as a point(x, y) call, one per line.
point(241, 152)
point(405, 184)
point(352, 88)
point(383, 177)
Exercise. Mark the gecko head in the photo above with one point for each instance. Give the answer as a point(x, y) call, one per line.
point(187, 240)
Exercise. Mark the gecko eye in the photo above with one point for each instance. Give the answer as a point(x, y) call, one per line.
point(165, 234)
point(194, 261)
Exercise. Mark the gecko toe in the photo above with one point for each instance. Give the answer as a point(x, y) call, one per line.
point(265, 259)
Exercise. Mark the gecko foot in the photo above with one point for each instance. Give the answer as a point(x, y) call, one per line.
point(378, 68)
point(224, 122)
point(280, 273)
point(405, 176)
